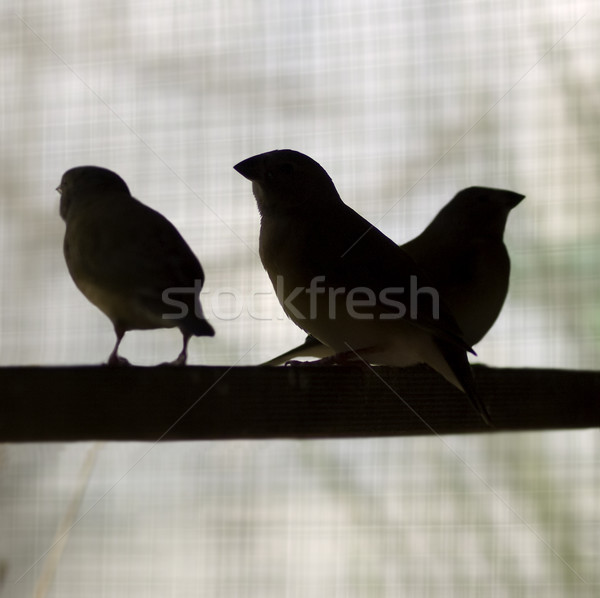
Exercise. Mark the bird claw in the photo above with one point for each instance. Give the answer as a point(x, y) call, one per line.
point(116, 361)
point(299, 363)
point(179, 362)
point(344, 358)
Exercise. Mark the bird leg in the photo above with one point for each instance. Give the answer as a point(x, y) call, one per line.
point(182, 357)
point(114, 359)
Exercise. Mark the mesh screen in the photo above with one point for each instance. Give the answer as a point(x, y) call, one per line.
point(403, 104)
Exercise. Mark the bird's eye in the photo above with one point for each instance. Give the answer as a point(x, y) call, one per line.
point(286, 168)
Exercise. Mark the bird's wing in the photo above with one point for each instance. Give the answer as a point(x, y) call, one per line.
point(352, 253)
point(124, 246)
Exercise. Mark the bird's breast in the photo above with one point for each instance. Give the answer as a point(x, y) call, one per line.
point(128, 310)
point(282, 247)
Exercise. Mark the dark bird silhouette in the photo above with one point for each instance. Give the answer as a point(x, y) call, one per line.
point(343, 281)
point(463, 251)
point(128, 259)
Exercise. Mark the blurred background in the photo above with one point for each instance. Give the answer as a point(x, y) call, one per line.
point(404, 104)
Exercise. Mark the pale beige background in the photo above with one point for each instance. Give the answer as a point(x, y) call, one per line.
point(404, 103)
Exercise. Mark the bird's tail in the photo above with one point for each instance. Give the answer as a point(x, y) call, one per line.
point(197, 326)
point(194, 321)
point(459, 364)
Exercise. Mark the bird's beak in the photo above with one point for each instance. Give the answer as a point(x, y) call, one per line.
point(513, 199)
point(59, 189)
point(251, 168)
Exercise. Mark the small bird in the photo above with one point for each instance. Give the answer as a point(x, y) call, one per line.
point(128, 259)
point(474, 273)
point(463, 251)
point(343, 281)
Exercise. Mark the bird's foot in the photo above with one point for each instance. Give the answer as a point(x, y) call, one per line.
point(116, 361)
point(344, 358)
point(299, 363)
point(179, 362)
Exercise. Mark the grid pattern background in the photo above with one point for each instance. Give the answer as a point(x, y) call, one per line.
point(404, 103)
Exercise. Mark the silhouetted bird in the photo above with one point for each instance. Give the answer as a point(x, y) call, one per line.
point(464, 253)
point(128, 259)
point(342, 280)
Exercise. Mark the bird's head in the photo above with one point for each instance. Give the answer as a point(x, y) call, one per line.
point(486, 200)
point(85, 182)
point(481, 209)
point(284, 180)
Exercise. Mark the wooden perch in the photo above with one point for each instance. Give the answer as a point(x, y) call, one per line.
point(61, 404)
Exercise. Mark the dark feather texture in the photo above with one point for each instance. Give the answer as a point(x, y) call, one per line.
point(126, 258)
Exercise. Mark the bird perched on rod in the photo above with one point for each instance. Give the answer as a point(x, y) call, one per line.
point(463, 251)
point(128, 259)
point(342, 280)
